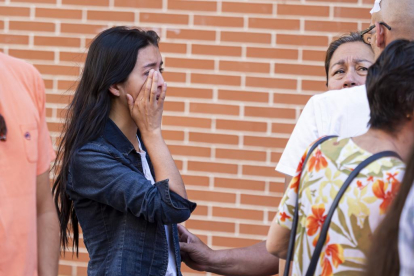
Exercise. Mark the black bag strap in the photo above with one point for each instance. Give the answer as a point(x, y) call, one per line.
point(324, 231)
point(296, 215)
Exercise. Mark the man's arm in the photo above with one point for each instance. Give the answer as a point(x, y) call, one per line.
point(247, 261)
point(47, 228)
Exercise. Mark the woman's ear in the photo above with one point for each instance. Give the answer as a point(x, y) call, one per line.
point(115, 89)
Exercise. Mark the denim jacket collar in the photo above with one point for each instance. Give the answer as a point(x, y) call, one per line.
point(113, 135)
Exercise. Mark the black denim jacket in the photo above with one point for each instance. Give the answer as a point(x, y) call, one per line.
point(121, 213)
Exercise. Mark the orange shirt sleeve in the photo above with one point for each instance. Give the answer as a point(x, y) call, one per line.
point(45, 148)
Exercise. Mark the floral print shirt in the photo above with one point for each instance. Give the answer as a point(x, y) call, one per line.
point(359, 211)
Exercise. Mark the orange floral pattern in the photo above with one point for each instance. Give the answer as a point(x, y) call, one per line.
point(365, 201)
point(294, 184)
point(317, 161)
point(284, 216)
point(315, 220)
point(336, 254)
point(380, 191)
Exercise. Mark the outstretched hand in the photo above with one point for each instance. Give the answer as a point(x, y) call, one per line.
point(147, 108)
point(194, 252)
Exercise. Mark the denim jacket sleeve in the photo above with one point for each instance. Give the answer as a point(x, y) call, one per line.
point(97, 175)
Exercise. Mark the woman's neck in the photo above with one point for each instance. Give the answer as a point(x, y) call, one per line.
point(122, 118)
point(376, 140)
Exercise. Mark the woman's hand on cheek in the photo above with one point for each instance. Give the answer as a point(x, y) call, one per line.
point(146, 110)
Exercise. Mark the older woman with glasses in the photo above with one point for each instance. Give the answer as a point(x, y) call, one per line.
point(331, 235)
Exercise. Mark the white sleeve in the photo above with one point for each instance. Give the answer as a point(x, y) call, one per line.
point(304, 133)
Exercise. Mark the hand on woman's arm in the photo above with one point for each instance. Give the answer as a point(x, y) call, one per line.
point(147, 114)
point(246, 261)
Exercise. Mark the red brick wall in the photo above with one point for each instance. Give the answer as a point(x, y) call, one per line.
point(239, 73)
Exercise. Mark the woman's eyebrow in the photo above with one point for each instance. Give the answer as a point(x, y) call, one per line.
point(356, 60)
point(362, 60)
point(341, 62)
point(153, 64)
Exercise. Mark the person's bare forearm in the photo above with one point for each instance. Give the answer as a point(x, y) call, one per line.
point(47, 228)
point(48, 243)
point(288, 178)
point(163, 163)
point(247, 261)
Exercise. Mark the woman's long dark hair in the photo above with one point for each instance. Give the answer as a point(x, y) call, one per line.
point(383, 259)
point(111, 58)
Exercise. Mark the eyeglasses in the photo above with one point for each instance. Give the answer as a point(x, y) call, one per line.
point(366, 35)
point(3, 129)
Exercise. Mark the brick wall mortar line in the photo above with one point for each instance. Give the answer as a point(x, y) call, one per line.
point(266, 216)
point(137, 17)
point(136, 21)
point(227, 175)
point(297, 113)
point(185, 165)
point(213, 123)
point(209, 240)
point(269, 128)
point(187, 77)
point(215, 93)
point(218, 38)
point(233, 206)
point(218, 146)
point(72, 263)
point(57, 58)
point(189, 49)
point(227, 235)
point(235, 132)
point(242, 107)
point(267, 187)
point(191, 20)
point(55, 84)
point(299, 84)
point(186, 136)
point(216, 65)
point(54, 112)
point(243, 81)
point(31, 40)
point(32, 12)
point(241, 141)
point(248, 59)
point(6, 25)
point(57, 27)
point(302, 26)
point(209, 211)
point(186, 105)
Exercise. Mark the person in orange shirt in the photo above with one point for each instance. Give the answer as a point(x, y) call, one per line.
point(29, 227)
